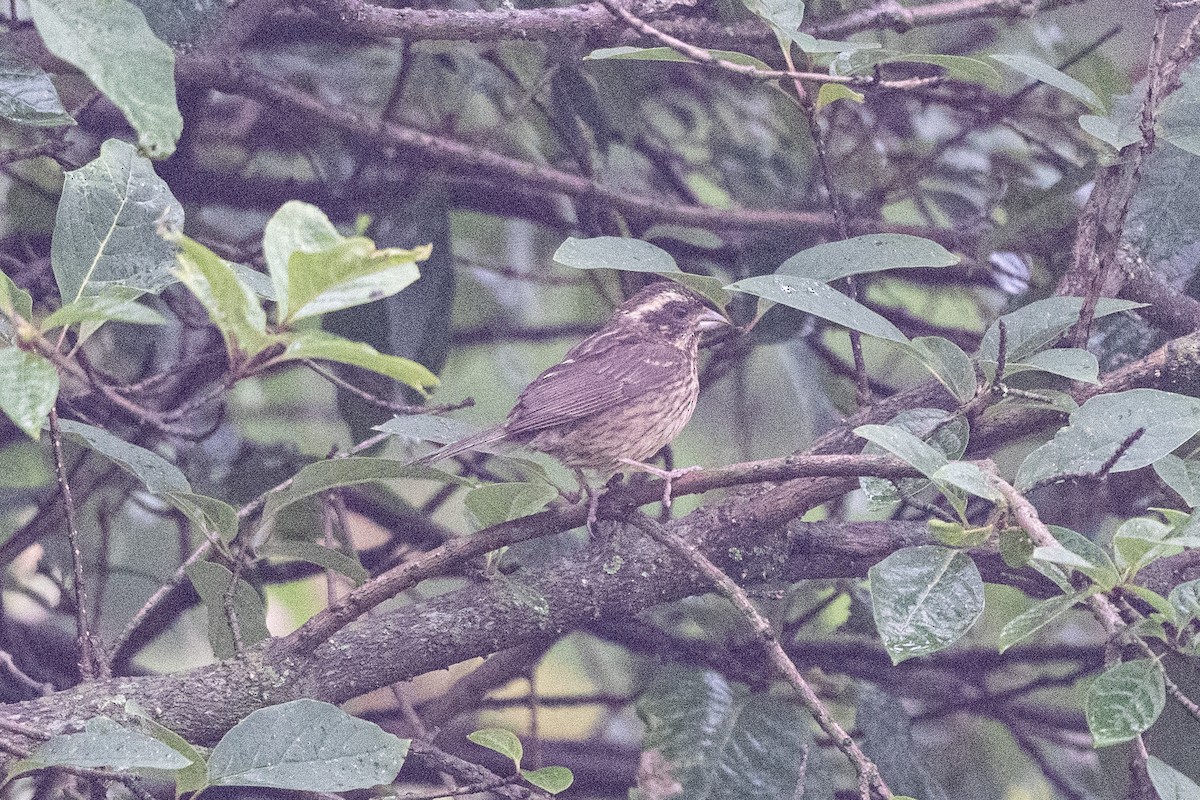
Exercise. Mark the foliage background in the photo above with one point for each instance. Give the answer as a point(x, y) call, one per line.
point(493, 132)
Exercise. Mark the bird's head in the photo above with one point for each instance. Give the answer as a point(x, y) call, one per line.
point(672, 313)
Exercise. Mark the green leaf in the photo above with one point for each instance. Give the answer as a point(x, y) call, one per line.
point(230, 304)
point(1170, 783)
point(212, 582)
point(667, 54)
point(191, 778)
point(550, 779)
point(902, 444)
point(306, 745)
point(351, 273)
point(337, 472)
point(28, 389)
point(614, 252)
point(967, 477)
point(1139, 541)
point(863, 62)
point(1103, 423)
point(1185, 599)
point(1182, 475)
point(1125, 701)
point(501, 741)
point(295, 228)
point(114, 303)
point(108, 225)
point(874, 252)
point(159, 475)
point(327, 347)
point(1073, 363)
point(254, 280)
point(1081, 553)
point(816, 298)
point(215, 518)
point(494, 503)
point(110, 42)
point(1032, 620)
point(948, 363)
point(324, 557)
point(717, 739)
point(106, 745)
point(924, 599)
point(832, 92)
point(315, 270)
point(886, 737)
point(1110, 130)
point(1041, 71)
point(945, 432)
point(14, 299)
point(27, 95)
point(1038, 325)
point(427, 428)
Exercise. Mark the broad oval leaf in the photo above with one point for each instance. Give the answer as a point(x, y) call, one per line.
point(1185, 599)
point(297, 227)
point(1079, 552)
point(159, 475)
point(1125, 701)
point(861, 62)
point(231, 305)
point(924, 599)
point(111, 43)
point(948, 363)
point(1103, 423)
point(114, 303)
point(104, 744)
point(870, 253)
point(322, 556)
point(1035, 327)
point(212, 582)
point(327, 347)
point(715, 739)
point(26, 94)
point(351, 273)
point(28, 389)
point(550, 779)
point(494, 503)
point(614, 252)
point(1182, 475)
point(1170, 783)
point(1033, 619)
point(306, 745)
point(925, 459)
point(816, 298)
point(1069, 362)
point(668, 54)
point(1041, 71)
point(107, 230)
point(499, 740)
point(335, 472)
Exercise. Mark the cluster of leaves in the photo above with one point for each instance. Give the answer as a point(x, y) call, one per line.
point(117, 245)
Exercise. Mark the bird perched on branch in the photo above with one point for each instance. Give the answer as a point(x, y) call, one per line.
point(617, 397)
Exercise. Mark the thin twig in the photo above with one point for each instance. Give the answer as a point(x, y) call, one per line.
point(868, 773)
point(83, 634)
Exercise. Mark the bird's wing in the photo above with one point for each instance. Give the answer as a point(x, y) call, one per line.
point(594, 378)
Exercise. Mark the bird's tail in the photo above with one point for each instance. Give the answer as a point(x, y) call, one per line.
point(486, 436)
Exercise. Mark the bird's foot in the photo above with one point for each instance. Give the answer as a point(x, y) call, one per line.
point(667, 475)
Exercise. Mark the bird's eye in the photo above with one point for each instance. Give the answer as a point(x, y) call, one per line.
point(679, 312)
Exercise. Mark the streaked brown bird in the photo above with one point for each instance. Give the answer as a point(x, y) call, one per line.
point(617, 397)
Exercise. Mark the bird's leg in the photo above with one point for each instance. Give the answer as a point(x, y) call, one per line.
point(667, 475)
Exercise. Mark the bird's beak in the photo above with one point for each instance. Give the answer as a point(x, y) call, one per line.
point(712, 320)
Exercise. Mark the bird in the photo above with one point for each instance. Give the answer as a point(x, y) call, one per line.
point(617, 397)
